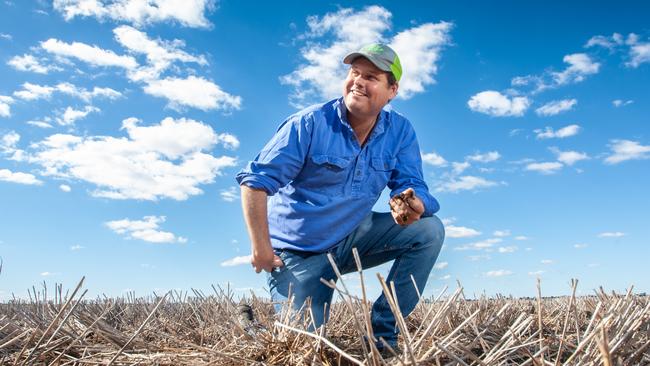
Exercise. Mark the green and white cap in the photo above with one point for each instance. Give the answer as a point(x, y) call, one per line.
point(381, 56)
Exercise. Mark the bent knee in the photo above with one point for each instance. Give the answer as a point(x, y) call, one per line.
point(431, 231)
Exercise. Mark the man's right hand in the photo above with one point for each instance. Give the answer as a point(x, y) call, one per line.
point(266, 261)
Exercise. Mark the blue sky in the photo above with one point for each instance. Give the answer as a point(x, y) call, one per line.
point(122, 127)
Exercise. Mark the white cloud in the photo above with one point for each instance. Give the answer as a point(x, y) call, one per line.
point(230, 142)
point(146, 229)
point(536, 273)
point(616, 234)
point(71, 115)
point(40, 124)
point(189, 13)
point(458, 168)
point(498, 273)
point(445, 277)
point(621, 103)
point(496, 104)
point(639, 51)
point(608, 42)
point(32, 92)
point(47, 274)
point(419, 51)
point(478, 258)
point(580, 66)
point(549, 167)
point(501, 233)
point(76, 247)
point(65, 188)
point(18, 177)
point(548, 133)
point(509, 249)
point(441, 265)
point(452, 231)
point(31, 63)
point(521, 237)
point(8, 142)
point(165, 160)
point(547, 261)
point(580, 246)
point(5, 102)
point(237, 261)
point(90, 54)
point(465, 183)
point(6, 36)
point(623, 150)
point(323, 72)
point(230, 195)
point(556, 107)
point(480, 245)
point(160, 54)
point(195, 92)
point(433, 159)
point(485, 158)
point(569, 157)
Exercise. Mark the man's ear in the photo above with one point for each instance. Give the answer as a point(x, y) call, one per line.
point(394, 89)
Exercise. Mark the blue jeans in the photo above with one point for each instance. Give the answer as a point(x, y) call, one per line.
point(378, 239)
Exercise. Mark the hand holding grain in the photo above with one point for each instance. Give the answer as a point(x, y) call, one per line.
point(406, 207)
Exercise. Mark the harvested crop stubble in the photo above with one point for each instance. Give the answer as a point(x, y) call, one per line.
point(199, 329)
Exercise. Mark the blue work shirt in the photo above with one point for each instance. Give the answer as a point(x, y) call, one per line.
point(322, 183)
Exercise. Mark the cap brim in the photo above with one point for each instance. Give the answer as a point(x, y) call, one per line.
point(380, 64)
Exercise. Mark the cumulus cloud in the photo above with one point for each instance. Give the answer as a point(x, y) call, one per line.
point(498, 273)
point(549, 167)
point(146, 229)
point(547, 261)
point(536, 273)
point(485, 158)
point(580, 246)
point(76, 247)
point(556, 107)
point(486, 244)
point(193, 91)
point(5, 108)
point(189, 13)
point(569, 157)
point(434, 159)
point(501, 233)
point(616, 234)
point(639, 51)
point(580, 66)
point(623, 150)
point(496, 104)
point(166, 160)
point(441, 265)
point(453, 231)
point(31, 91)
point(323, 72)
point(160, 54)
point(509, 249)
point(65, 188)
point(7, 175)
point(237, 261)
point(92, 55)
point(564, 132)
point(621, 103)
point(521, 237)
point(465, 183)
point(607, 42)
point(71, 115)
point(230, 195)
point(30, 63)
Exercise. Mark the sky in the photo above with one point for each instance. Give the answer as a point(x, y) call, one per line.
point(124, 122)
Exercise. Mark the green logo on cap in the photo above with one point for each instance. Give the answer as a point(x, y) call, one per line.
point(373, 48)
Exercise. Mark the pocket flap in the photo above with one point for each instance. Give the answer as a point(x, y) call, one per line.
point(384, 164)
point(336, 161)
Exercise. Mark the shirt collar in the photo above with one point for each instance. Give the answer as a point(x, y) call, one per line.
point(380, 126)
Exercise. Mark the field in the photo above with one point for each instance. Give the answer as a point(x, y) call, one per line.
point(200, 329)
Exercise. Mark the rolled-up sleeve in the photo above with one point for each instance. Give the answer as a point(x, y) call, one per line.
point(281, 159)
point(408, 173)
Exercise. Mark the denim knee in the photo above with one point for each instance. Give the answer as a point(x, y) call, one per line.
point(431, 231)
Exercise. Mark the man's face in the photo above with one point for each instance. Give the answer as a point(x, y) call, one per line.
point(366, 90)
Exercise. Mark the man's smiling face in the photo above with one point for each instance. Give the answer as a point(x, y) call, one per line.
point(366, 89)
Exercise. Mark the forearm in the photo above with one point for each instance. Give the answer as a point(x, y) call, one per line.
point(255, 214)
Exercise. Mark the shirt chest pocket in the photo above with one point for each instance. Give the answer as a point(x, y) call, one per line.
point(329, 173)
point(380, 172)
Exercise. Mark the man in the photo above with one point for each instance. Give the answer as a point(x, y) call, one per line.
point(324, 169)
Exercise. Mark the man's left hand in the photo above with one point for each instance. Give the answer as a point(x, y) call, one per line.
point(406, 207)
